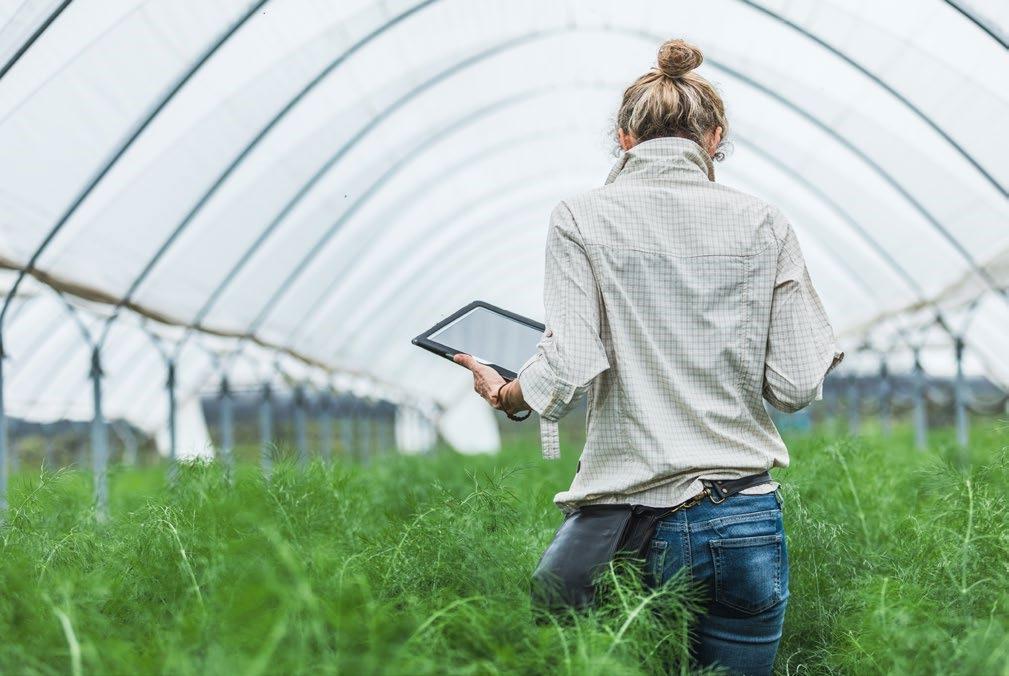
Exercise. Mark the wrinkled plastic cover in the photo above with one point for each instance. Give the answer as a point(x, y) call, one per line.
point(334, 177)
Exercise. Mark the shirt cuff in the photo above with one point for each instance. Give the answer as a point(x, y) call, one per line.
point(542, 389)
point(837, 357)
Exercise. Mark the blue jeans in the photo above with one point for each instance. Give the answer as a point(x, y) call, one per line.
point(736, 553)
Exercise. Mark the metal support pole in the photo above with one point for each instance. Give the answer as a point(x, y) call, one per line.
point(358, 413)
point(173, 440)
point(3, 443)
point(829, 403)
point(14, 456)
point(266, 430)
point(854, 405)
point(885, 390)
point(920, 408)
point(99, 439)
point(347, 429)
point(227, 424)
point(960, 396)
point(393, 435)
point(388, 438)
point(326, 428)
point(50, 448)
point(368, 426)
point(301, 425)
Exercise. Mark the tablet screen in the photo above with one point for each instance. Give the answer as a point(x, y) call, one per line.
point(491, 338)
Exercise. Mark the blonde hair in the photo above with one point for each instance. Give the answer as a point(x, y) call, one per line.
point(672, 100)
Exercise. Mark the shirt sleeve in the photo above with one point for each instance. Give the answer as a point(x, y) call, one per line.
point(801, 347)
point(571, 353)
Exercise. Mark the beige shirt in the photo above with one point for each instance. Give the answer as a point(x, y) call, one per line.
point(678, 305)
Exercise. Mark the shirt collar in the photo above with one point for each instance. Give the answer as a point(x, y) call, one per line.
point(660, 156)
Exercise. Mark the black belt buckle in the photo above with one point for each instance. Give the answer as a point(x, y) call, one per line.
point(715, 491)
point(721, 489)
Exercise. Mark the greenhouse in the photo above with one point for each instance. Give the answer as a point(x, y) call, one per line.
point(223, 221)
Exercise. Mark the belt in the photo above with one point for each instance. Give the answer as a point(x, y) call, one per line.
point(718, 490)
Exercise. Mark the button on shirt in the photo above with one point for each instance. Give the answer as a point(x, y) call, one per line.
point(677, 305)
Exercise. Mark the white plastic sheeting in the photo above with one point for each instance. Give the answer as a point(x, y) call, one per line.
point(328, 178)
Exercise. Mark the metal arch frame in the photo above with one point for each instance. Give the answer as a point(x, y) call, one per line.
point(332, 161)
point(431, 138)
point(118, 153)
point(471, 269)
point(33, 37)
point(200, 383)
point(461, 211)
point(306, 187)
point(465, 208)
point(907, 103)
point(171, 389)
point(68, 62)
point(250, 147)
point(805, 114)
point(85, 333)
point(887, 177)
point(953, 240)
point(434, 285)
point(48, 332)
point(296, 273)
point(772, 15)
point(901, 271)
point(426, 289)
point(977, 21)
point(840, 211)
point(140, 348)
point(65, 364)
point(825, 249)
point(297, 98)
point(466, 163)
point(468, 238)
point(91, 184)
point(853, 224)
point(316, 311)
point(60, 367)
point(822, 197)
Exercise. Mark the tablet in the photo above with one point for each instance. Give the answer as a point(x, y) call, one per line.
point(503, 340)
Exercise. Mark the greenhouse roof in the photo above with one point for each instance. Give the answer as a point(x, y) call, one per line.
point(297, 187)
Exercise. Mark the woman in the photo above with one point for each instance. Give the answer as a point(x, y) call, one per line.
point(679, 305)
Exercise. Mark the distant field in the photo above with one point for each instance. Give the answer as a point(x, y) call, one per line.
point(419, 565)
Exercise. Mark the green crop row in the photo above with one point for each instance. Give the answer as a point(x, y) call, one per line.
point(413, 565)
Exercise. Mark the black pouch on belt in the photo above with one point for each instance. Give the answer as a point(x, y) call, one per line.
point(594, 535)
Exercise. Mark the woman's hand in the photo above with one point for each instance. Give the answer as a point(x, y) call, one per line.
point(488, 384)
point(486, 381)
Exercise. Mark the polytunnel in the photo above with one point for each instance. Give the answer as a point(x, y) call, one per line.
point(199, 195)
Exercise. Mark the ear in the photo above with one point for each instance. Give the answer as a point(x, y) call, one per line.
point(714, 138)
point(625, 140)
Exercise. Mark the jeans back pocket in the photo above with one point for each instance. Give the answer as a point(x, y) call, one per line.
point(748, 572)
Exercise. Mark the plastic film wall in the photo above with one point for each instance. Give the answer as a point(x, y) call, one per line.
point(241, 189)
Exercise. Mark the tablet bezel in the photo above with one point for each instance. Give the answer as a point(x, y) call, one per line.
point(424, 341)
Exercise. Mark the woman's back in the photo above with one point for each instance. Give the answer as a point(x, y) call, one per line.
point(684, 273)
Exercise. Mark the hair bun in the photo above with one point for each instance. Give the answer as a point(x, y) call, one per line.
point(678, 57)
